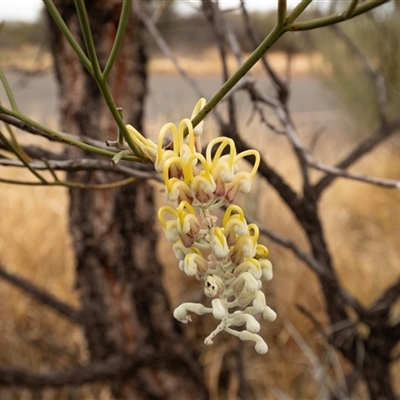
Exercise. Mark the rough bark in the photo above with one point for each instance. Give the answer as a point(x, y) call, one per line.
point(124, 305)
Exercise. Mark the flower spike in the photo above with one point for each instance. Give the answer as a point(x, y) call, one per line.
point(228, 258)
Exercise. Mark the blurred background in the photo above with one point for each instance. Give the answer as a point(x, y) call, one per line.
point(333, 105)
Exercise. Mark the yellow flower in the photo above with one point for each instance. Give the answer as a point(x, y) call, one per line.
point(228, 257)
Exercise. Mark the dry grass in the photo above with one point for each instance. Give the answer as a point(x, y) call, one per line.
point(362, 229)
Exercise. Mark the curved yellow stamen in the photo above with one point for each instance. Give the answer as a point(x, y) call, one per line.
point(247, 153)
point(261, 251)
point(161, 136)
point(197, 108)
point(186, 124)
point(185, 170)
point(229, 211)
point(181, 213)
point(198, 129)
point(206, 167)
point(164, 209)
point(184, 204)
point(224, 142)
point(256, 232)
point(218, 233)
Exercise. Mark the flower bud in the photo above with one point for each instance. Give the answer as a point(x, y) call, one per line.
point(251, 266)
point(244, 281)
point(195, 265)
point(240, 318)
point(266, 268)
point(213, 286)
point(219, 309)
point(218, 244)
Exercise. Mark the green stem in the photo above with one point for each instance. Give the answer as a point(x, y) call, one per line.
point(51, 8)
point(101, 79)
point(350, 10)
point(59, 136)
point(297, 11)
point(8, 91)
point(274, 35)
point(87, 37)
point(123, 22)
point(73, 185)
point(282, 6)
point(336, 18)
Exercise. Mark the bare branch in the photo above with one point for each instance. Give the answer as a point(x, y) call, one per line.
point(385, 302)
point(317, 267)
point(162, 44)
point(96, 371)
point(87, 164)
point(35, 131)
point(386, 183)
point(383, 133)
point(41, 296)
point(298, 147)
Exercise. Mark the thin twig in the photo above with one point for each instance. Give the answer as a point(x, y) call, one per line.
point(40, 295)
point(96, 371)
point(85, 164)
point(382, 133)
point(382, 182)
point(162, 44)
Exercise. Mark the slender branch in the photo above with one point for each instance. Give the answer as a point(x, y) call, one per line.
point(297, 11)
point(281, 12)
point(55, 134)
point(315, 265)
point(334, 19)
point(350, 10)
point(123, 22)
point(275, 34)
point(72, 185)
point(32, 126)
point(279, 85)
point(386, 183)
point(162, 44)
point(40, 295)
point(296, 143)
point(9, 92)
point(88, 38)
point(85, 164)
point(68, 35)
point(8, 119)
point(386, 301)
point(96, 371)
point(383, 132)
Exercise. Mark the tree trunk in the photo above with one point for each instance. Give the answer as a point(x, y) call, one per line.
point(125, 307)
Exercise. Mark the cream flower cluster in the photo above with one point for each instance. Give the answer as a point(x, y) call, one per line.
point(228, 258)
